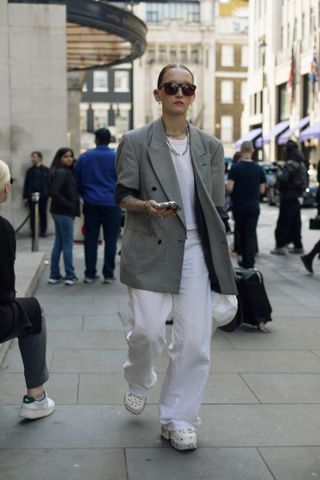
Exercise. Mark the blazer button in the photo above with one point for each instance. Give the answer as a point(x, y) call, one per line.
point(154, 188)
point(159, 241)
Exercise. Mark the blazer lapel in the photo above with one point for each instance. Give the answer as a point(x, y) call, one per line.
point(200, 158)
point(163, 167)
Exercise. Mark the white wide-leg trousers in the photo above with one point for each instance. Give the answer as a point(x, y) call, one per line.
point(189, 351)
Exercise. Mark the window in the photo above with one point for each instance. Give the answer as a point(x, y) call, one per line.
point(151, 54)
point(121, 81)
point(226, 128)
point(194, 56)
point(227, 56)
point(100, 115)
point(163, 54)
point(227, 91)
point(244, 56)
point(100, 81)
point(189, 12)
point(183, 55)
point(173, 54)
point(243, 92)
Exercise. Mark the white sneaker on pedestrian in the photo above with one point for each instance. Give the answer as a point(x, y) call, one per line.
point(134, 404)
point(185, 439)
point(33, 409)
point(91, 279)
point(54, 281)
point(109, 280)
point(70, 281)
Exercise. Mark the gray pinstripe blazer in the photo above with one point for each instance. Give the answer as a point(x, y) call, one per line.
point(152, 248)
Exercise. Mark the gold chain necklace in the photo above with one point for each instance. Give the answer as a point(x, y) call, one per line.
point(174, 151)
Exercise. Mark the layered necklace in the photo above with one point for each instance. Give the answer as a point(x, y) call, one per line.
point(173, 150)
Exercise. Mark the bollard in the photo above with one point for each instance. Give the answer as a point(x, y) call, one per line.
point(35, 206)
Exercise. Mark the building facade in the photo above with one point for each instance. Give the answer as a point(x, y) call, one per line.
point(106, 102)
point(177, 33)
point(231, 60)
point(283, 98)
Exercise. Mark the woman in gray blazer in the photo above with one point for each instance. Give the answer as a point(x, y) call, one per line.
point(172, 255)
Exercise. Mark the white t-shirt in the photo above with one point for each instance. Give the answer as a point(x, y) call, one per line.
point(184, 171)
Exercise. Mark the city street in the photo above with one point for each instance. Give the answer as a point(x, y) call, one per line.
point(261, 412)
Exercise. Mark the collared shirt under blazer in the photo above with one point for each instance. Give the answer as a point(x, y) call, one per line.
point(153, 248)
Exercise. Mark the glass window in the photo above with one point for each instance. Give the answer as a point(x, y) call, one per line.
point(243, 92)
point(194, 56)
point(227, 56)
point(188, 12)
point(151, 54)
point(163, 54)
point(122, 118)
point(100, 81)
point(173, 54)
point(244, 56)
point(121, 81)
point(183, 55)
point(83, 117)
point(100, 116)
point(226, 128)
point(227, 91)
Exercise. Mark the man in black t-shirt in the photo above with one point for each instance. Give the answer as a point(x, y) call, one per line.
point(37, 180)
point(246, 182)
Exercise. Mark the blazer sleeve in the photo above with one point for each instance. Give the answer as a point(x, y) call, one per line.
point(128, 170)
point(217, 177)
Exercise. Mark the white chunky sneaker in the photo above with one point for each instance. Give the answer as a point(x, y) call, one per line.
point(134, 404)
point(185, 439)
point(33, 409)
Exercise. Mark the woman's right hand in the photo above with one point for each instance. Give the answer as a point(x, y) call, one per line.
point(154, 211)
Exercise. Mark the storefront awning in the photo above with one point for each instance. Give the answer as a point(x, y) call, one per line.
point(284, 137)
point(248, 137)
point(274, 132)
point(311, 133)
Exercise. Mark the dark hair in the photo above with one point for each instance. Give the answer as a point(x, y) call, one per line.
point(56, 162)
point(170, 66)
point(293, 152)
point(236, 157)
point(103, 135)
point(36, 153)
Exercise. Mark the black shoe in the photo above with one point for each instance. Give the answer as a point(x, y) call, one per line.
point(297, 250)
point(306, 262)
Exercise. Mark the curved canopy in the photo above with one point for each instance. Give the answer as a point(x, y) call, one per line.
point(100, 35)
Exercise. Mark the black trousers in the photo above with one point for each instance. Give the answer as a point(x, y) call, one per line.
point(43, 202)
point(288, 227)
point(246, 234)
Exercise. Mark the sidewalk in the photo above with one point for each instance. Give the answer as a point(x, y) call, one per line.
point(261, 412)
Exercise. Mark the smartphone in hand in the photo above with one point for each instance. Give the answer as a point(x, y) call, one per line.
point(169, 206)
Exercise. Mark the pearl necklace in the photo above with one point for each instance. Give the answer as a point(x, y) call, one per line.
point(174, 151)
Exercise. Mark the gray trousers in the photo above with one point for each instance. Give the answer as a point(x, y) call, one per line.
point(33, 353)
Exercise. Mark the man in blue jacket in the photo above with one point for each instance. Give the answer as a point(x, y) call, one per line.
point(96, 180)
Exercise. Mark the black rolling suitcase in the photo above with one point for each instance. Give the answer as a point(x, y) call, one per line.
point(254, 307)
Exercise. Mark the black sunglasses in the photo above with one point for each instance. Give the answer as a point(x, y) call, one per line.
point(171, 88)
point(11, 180)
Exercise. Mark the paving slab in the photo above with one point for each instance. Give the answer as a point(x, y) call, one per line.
point(293, 463)
point(68, 464)
point(63, 387)
point(109, 388)
point(202, 464)
point(104, 322)
point(72, 323)
point(265, 361)
point(92, 426)
point(284, 388)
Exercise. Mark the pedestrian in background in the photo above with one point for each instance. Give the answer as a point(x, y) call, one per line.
point(246, 183)
point(172, 258)
point(292, 182)
point(22, 318)
point(37, 180)
point(65, 206)
point(96, 181)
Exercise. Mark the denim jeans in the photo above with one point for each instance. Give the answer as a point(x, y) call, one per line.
point(63, 242)
point(110, 219)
